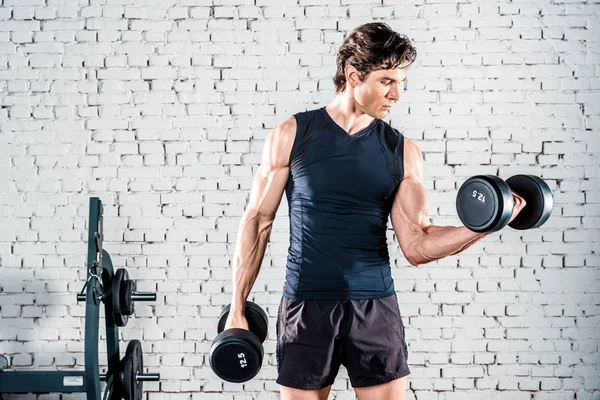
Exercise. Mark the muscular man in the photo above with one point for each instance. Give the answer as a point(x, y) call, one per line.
point(344, 171)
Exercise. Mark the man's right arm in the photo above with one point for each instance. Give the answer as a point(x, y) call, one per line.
point(420, 241)
point(256, 223)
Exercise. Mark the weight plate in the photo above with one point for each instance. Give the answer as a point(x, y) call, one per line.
point(538, 198)
point(258, 321)
point(117, 285)
point(131, 366)
point(128, 287)
point(138, 368)
point(484, 203)
point(126, 384)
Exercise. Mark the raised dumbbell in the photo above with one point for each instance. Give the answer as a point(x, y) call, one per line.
point(236, 355)
point(484, 203)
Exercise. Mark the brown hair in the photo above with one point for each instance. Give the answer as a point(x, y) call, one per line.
point(370, 47)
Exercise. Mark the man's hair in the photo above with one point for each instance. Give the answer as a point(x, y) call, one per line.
point(371, 47)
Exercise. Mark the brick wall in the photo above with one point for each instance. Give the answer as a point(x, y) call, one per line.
point(161, 109)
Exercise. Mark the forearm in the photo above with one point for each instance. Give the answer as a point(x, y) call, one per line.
point(253, 237)
point(441, 241)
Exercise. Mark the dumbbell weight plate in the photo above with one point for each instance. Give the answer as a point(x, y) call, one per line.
point(538, 198)
point(256, 316)
point(236, 355)
point(484, 203)
point(117, 288)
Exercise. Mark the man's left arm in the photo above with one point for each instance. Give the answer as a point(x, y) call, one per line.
point(420, 241)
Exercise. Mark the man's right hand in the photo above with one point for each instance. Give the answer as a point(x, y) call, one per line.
point(236, 320)
point(519, 204)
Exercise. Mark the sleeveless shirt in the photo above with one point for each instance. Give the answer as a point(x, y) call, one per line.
point(340, 193)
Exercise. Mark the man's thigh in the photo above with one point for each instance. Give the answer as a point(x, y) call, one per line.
point(308, 351)
point(393, 390)
point(374, 348)
point(288, 393)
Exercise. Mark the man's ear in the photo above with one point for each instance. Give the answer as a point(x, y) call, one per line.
point(352, 75)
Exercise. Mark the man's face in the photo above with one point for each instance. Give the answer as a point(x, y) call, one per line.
point(379, 90)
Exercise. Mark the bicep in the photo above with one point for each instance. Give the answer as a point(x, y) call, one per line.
point(273, 172)
point(410, 210)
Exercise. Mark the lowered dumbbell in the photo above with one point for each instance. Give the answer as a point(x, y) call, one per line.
point(236, 355)
point(484, 203)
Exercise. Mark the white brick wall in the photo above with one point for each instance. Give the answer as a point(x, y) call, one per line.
point(161, 109)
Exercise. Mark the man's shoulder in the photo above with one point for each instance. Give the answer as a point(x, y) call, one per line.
point(390, 128)
point(411, 146)
point(308, 113)
point(306, 120)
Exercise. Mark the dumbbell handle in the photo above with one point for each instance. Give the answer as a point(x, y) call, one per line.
point(134, 297)
point(140, 377)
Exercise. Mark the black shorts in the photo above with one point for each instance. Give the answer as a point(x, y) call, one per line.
point(315, 337)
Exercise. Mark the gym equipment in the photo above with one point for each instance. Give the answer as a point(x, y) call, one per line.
point(236, 355)
point(100, 274)
point(484, 203)
point(122, 290)
point(123, 294)
point(127, 384)
point(538, 198)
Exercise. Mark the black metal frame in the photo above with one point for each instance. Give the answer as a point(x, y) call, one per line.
point(87, 381)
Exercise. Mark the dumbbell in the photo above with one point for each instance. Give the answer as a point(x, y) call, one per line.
point(484, 203)
point(236, 355)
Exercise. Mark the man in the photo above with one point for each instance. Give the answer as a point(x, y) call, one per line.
point(344, 171)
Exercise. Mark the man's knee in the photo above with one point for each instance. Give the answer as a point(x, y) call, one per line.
point(393, 390)
point(288, 393)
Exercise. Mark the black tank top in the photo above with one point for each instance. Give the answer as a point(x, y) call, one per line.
point(340, 193)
